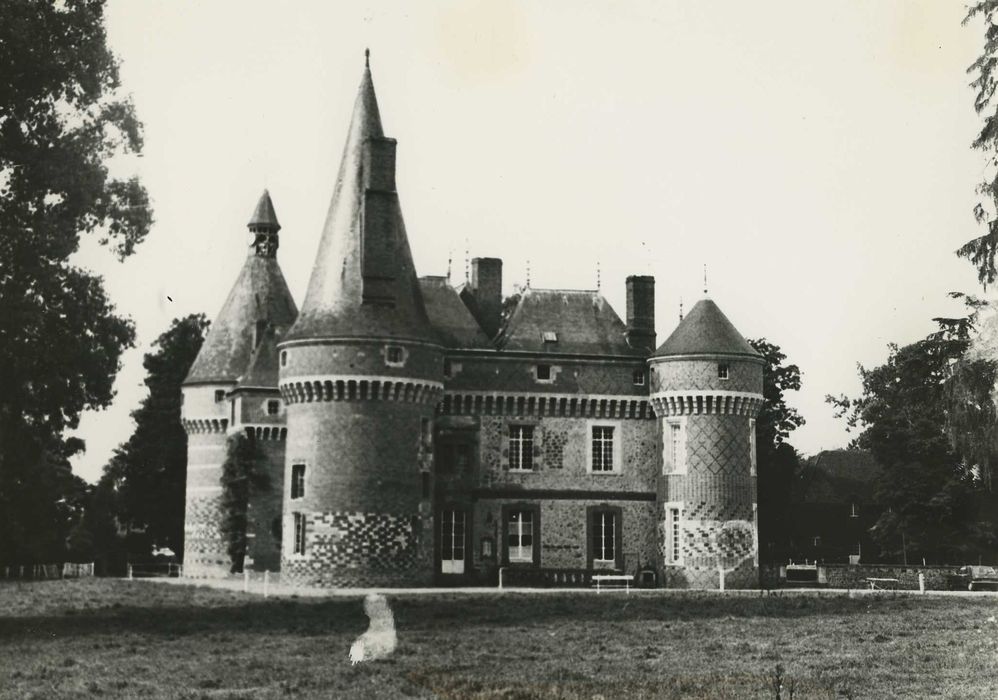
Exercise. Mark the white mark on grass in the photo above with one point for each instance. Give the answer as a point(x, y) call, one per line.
point(380, 639)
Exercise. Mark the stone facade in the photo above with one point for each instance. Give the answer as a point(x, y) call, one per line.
point(431, 434)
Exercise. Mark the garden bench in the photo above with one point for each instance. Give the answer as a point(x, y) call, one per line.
point(883, 584)
point(613, 580)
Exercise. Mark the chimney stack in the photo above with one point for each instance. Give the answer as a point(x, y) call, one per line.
point(486, 288)
point(641, 311)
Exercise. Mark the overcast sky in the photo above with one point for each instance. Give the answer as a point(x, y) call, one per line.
point(814, 155)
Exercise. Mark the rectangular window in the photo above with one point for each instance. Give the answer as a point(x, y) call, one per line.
point(219, 395)
point(394, 356)
point(674, 552)
point(297, 481)
point(753, 468)
point(448, 369)
point(639, 377)
point(273, 407)
point(675, 449)
point(521, 448)
point(452, 542)
point(722, 371)
point(520, 536)
point(604, 537)
point(543, 373)
point(299, 543)
point(602, 448)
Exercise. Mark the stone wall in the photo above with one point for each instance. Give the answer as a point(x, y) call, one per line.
point(854, 576)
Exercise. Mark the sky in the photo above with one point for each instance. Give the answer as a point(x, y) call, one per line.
point(815, 156)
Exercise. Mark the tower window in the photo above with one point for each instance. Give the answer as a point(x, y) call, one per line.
point(521, 448)
point(297, 481)
point(673, 534)
point(299, 543)
point(674, 457)
point(448, 369)
point(273, 407)
point(639, 377)
point(219, 395)
point(543, 373)
point(722, 370)
point(394, 356)
point(284, 358)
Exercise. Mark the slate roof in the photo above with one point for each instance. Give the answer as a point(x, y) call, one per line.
point(264, 214)
point(583, 321)
point(705, 330)
point(262, 369)
point(260, 292)
point(450, 317)
point(333, 303)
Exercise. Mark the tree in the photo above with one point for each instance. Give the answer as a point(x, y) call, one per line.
point(776, 460)
point(62, 118)
point(243, 474)
point(937, 506)
point(150, 469)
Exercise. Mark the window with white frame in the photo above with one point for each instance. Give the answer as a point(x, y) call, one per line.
point(452, 541)
point(297, 481)
point(674, 452)
point(752, 446)
point(299, 533)
point(604, 536)
point(395, 356)
point(722, 370)
point(639, 377)
point(543, 373)
point(520, 536)
point(521, 448)
point(602, 448)
point(673, 533)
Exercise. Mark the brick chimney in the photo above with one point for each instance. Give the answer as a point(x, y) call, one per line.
point(641, 311)
point(486, 289)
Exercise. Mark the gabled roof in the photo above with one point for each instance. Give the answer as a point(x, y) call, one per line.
point(705, 331)
point(335, 304)
point(582, 323)
point(449, 315)
point(260, 293)
point(264, 215)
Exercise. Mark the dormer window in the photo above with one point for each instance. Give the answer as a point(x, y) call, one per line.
point(550, 337)
point(639, 377)
point(543, 373)
point(722, 370)
point(219, 395)
point(395, 356)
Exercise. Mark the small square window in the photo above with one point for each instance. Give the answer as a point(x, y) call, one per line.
point(273, 407)
point(722, 371)
point(394, 356)
point(550, 337)
point(543, 373)
point(219, 395)
point(639, 377)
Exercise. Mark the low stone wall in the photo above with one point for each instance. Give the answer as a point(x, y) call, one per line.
point(855, 575)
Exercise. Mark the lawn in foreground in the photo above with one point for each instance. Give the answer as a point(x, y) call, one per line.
point(113, 638)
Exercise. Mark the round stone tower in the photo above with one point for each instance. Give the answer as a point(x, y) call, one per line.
point(361, 372)
point(706, 388)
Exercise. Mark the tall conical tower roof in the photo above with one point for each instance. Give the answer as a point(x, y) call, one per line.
point(363, 283)
point(259, 304)
point(705, 331)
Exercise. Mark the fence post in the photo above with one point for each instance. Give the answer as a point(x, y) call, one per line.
point(266, 581)
point(921, 582)
point(129, 572)
point(720, 578)
point(245, 580)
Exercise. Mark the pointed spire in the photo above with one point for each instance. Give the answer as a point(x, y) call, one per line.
point(264, 216)
point(705, 279)
point(363, 282)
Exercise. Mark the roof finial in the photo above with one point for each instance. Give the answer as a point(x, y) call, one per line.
point(367, 58)
point(450, 258)
point(528, 272)
point(467, 263)
point(680, 307)
point(598, 277)
point(705, 279)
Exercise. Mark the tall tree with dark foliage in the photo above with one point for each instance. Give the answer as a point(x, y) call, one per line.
point(150, 470)
point(777, 461)
point(62, 117)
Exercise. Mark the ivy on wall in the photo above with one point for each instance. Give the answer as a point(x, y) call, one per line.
point(243, 475)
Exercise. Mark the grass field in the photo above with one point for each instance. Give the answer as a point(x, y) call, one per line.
point(113, 638)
